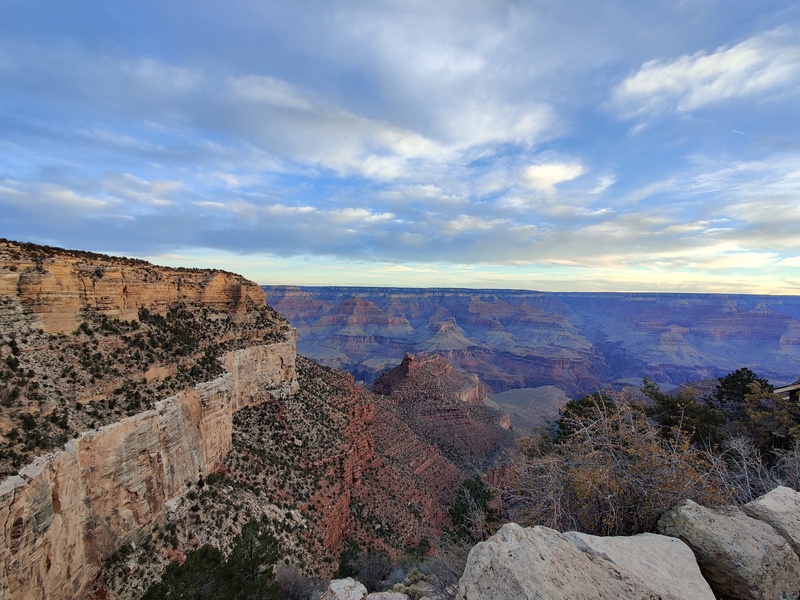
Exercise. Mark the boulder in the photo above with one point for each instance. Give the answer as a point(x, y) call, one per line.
point(345, 589)
point(781, 509)
point(667, 565)
point(740, 557)
point(387, 596)
point(539, 562)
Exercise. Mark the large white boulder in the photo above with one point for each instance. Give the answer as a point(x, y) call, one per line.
point(665, 564)
point(541, 563)
point(345, 589)
point(781, 509)
point(739, 556)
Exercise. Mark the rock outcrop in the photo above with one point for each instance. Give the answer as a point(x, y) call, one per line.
point(70, 510)
point(350, 589)
point(539, 562)
point(445, 407)
point(741, 557)
point(780, 508)
point(665, 563)
point(184, 350)
point(703, 554)
point(345, 589)
point(55, 286)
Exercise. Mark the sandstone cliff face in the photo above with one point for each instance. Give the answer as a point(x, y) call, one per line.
point(67, 512)
point(105, 352)
point(130, 376)
point(54, 286)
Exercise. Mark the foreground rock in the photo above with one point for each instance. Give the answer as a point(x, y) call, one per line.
point(665, 563)
point(740, 557)
point(780, 508)
point(345, 589)
point(539, 562)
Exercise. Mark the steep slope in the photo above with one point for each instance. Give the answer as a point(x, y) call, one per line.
point(328, 465)
point(447, 408)
point(149, 423)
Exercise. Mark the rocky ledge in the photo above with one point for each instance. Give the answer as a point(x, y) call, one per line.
point(119, 384)
point(702, 553)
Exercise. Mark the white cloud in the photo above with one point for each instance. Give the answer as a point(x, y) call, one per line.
point(546, 176)
point(477, 122)
point(790, 261)
point(605, 182)
point(267, 90)
point(466, 223)
point(347, 215)
point(764, 64)
point(67, 198)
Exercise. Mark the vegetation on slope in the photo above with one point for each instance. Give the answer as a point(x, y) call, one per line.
point(614, 464)
point(295, 468)
point(53, 387)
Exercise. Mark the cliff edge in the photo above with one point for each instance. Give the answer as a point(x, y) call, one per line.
point(120, 380)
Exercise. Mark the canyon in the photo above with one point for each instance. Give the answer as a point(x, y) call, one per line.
point(146, 411)
point(577, 342)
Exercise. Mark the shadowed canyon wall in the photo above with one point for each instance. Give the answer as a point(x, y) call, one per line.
point(522, 339)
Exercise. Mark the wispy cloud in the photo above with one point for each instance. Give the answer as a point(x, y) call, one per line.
point(460, 142)
point(765, 64)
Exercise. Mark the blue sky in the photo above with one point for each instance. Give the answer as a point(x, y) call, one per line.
point(582, 145)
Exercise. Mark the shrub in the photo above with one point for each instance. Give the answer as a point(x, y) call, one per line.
point(372, 568)
point(613, 474)
point(470, 512)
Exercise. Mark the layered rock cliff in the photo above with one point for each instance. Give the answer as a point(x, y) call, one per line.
point(54, 287)
point(140, 370)
point(154, 410)
point(575, 341)
point(447, 408)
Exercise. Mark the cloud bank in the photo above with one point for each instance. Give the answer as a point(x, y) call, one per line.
point(481, 143)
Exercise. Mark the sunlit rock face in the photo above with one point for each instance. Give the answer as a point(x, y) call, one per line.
point(75, 344)
point(518, 339)
point(55, 286)
point(174, 401)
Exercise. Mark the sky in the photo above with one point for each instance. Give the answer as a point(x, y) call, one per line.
point(540, 144)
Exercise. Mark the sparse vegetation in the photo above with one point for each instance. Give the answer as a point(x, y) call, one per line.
point(56, 386)
point(613, 465)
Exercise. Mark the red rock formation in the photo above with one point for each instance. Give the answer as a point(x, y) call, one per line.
point(445, 407)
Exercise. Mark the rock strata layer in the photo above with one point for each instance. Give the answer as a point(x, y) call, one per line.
point(70, 510)
point(55, 286)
